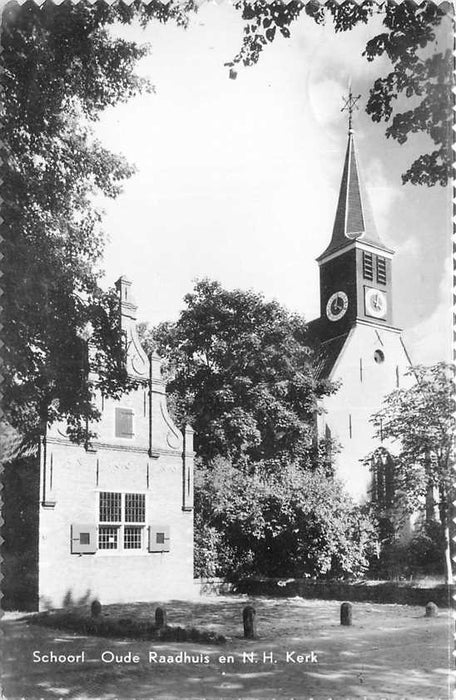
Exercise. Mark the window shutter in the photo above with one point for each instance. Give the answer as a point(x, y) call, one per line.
point(381, 270)
point(124, 422)
point(83, 539)
point(159, 539)
point(368, 269)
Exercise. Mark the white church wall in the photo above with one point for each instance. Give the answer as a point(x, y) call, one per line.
point(372, 364)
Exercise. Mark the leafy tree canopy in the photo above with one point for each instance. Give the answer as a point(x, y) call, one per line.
point(60, 69)
point(420, 423)
point(240, 373)
point(419, 72)
point(266, 500)
point(288, 522)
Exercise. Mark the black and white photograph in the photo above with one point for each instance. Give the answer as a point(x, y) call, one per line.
point(227, 427)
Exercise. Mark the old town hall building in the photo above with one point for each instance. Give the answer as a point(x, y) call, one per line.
point(357, 342)
point(113, 521)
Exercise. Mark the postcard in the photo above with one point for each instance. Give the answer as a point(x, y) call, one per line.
point(227, 427)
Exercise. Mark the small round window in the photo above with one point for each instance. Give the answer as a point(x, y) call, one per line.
point(379, 356)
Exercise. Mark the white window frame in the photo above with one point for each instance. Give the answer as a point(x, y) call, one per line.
point(120, 526)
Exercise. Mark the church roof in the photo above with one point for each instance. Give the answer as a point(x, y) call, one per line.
point(326, 355)
point(354, 218)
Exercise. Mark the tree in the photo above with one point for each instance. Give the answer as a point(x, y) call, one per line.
point(420, 74)
point(288, 522)
point(240, 373)
point(266, 501)
point(61, 68)
point(420, 421)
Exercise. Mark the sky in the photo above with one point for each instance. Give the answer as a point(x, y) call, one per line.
point(237, 180)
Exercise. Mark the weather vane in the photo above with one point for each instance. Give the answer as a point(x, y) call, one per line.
point(350, 105)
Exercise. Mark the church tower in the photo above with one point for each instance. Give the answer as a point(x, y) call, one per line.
point(356, 341)
point(355, 268)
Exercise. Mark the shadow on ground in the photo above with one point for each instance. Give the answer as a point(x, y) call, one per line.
point(391, 651)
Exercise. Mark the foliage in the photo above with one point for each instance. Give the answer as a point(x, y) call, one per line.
point(60, 69)
point(425, 550)
point(112, 626)
point(213, 554)
point(422, 555)
point(287, 522)
point(420, 423)
point(422, 77)
point(265, 497)
point(240, 374)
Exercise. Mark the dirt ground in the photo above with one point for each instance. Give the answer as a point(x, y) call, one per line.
point(391, 651)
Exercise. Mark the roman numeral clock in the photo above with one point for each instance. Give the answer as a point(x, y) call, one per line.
point(337, 306)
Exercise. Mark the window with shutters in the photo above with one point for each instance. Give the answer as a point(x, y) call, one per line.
point(381, 270)
point(368, 266)
point(124, 422)
point(122, 518)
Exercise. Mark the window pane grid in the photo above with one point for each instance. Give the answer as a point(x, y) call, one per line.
point(135, 508)
point(110, 507)
point(121, 509)
point(107, 537)
point(132, 537)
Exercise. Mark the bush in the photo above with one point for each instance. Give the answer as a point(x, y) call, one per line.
point(426, 550)
point(103, 626)
point(422, 555)
point(277, 522)
point(208, 550)
point(392, 563)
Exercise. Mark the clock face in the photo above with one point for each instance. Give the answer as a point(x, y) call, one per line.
point(375, 302)
point(337, 306)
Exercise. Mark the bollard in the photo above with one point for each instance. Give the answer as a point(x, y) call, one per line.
point(95, 608)
point(160, 617)
point(431, 610)
point(248, 617)
point(346, 614)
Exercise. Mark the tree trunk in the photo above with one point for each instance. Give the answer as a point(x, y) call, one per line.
point(430, 503)
point(448, 564)
point(445, 520)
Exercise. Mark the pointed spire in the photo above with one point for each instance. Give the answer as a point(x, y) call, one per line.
point(354, 218)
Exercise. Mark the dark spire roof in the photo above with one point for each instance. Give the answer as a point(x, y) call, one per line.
point(354, 218)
